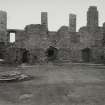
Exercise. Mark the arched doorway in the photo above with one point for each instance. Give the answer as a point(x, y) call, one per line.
point(51, 53)
point(1, 55)
point(2, 51)
point(25, 56)
point(86, 55)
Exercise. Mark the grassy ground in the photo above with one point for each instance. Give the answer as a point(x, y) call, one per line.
point(59, 84)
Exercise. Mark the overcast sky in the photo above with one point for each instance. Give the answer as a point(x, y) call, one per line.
point(24, 12)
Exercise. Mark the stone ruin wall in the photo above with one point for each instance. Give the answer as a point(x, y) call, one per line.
point(70, 45)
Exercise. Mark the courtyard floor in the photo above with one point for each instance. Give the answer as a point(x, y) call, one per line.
point(56, 84)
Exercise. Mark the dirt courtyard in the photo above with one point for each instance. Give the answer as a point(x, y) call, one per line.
point(56, 84)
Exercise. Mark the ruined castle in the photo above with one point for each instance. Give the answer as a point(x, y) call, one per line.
point(36, 43)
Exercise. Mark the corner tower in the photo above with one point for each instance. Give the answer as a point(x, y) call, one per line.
point(44, 19)
point(92, 17)
point(72, 22)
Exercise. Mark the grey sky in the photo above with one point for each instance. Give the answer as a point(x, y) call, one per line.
point(23, 12)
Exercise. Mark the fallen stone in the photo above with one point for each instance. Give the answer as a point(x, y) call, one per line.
point(14, 76)
point(25, 96)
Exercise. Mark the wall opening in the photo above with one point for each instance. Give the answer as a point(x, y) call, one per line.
point(86, 55)
point(25, 56)
point(12, 37)
point(2, 51)
point(51, 53)
point(1, 56)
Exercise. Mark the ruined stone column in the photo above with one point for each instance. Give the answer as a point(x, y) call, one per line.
point(92, 17)
point(44, 19)
point(3, 26)
point(72, 23)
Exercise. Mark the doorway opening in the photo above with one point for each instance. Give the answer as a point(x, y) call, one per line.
point(51, 53)
point(25, 56)
point(2, 51)
point(86, 55)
